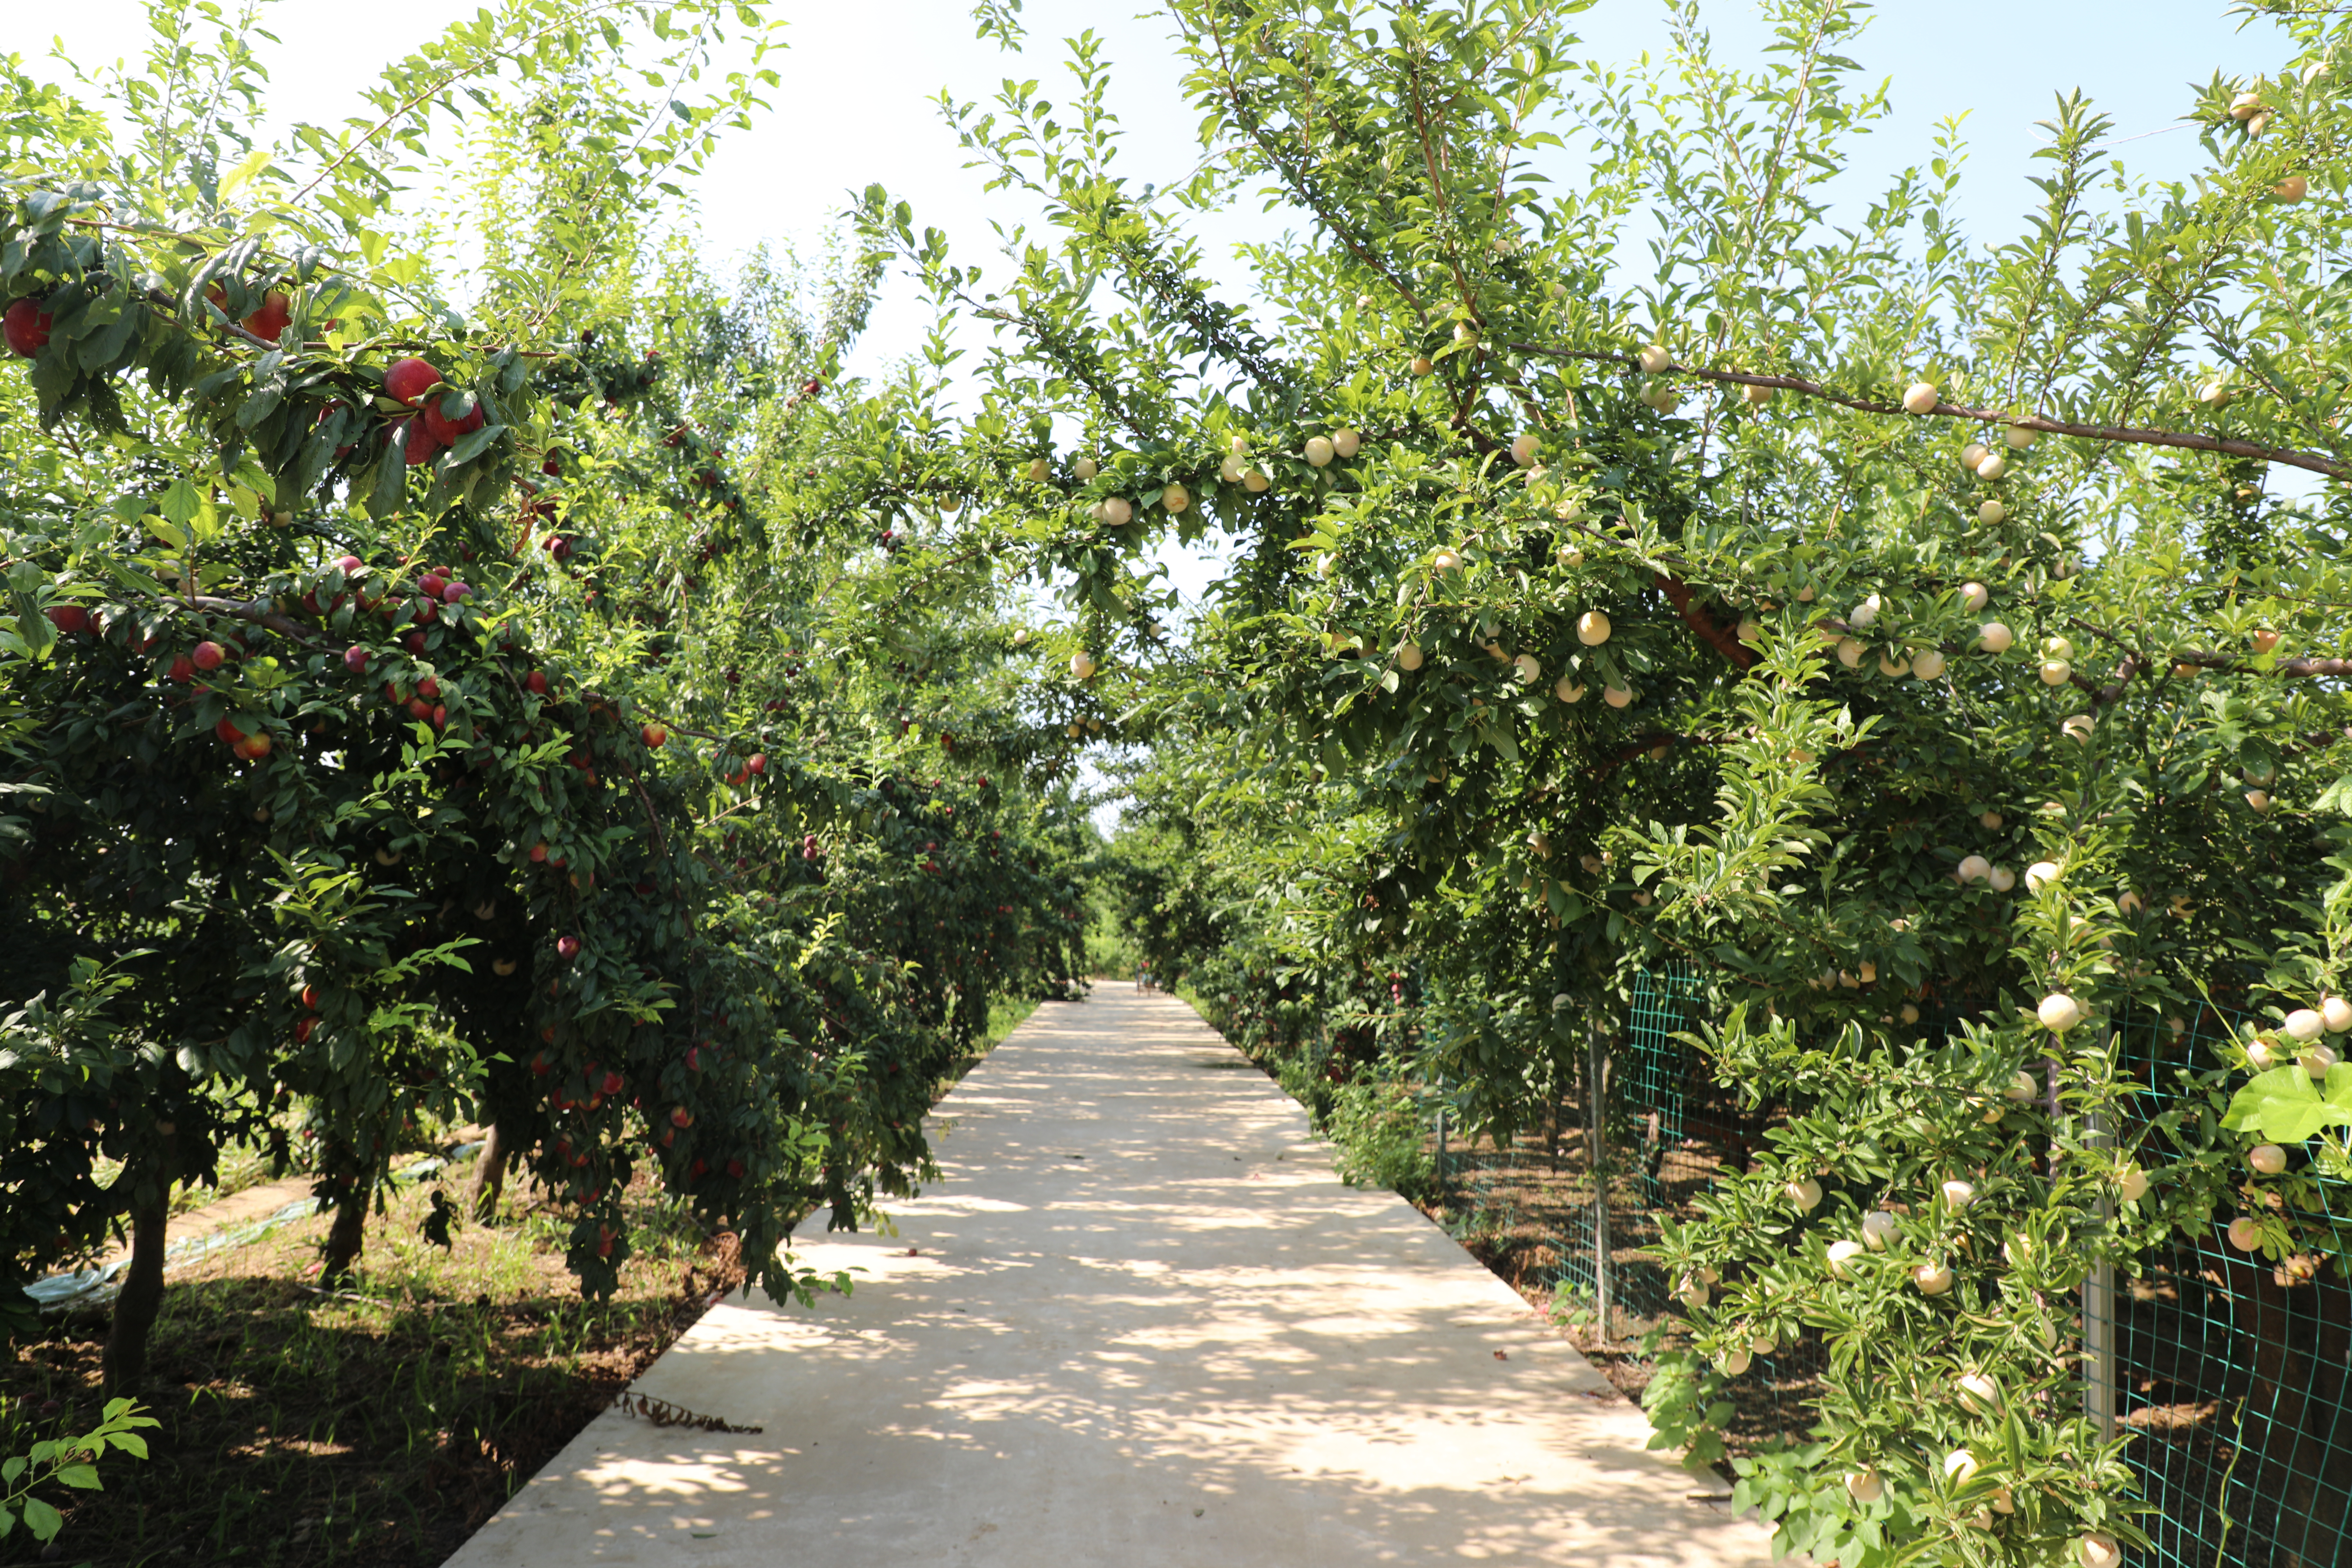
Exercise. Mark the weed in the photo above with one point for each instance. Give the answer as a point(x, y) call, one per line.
point(1377, 1127)
point(374, 1426)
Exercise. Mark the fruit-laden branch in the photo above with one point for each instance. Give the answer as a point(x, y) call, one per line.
point(2315, 462)
point(1705, 624)
point(2292, 668)
point(257, 611)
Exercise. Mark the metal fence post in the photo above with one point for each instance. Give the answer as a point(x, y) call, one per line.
point(2102, 1372)
point(1445, 1190)
point(1596, 1101)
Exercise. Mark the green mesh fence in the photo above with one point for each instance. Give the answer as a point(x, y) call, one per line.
point(2233, 1376)
point(1679, 1129)
point(1528, 1209)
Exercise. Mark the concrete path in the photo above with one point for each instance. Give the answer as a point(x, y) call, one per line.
point(1141, 1324)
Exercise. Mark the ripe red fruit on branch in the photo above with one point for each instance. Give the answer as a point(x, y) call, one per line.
point(207, 655)
point(567, 947)
point(758, 763)
point(348, 565)
point(613, 1084)
point(228, 732)
point(537, 683)
point(27, 327)
point(183, 670)
point(355, 659)
point(270, 320)
point(407, 380)
point(447, 430)
point(680, 1116)
point(69, 617)
point(302, 1028)
point(416, 443)
point(456, 594)
point(653, 735)
point(429, 689)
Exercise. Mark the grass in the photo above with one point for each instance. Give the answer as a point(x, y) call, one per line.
point(381, 1426)
point(242, 1166)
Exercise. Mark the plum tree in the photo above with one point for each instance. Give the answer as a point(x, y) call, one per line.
point(332, 797)
point(1773, 788)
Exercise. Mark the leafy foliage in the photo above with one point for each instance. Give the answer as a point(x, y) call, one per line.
point(1904, 632)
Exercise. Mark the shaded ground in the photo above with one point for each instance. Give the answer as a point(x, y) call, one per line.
point(379, 1425)
point(376, 1426)
point(1527, 1212)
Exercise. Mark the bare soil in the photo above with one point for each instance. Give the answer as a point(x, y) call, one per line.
point(1527, 1212)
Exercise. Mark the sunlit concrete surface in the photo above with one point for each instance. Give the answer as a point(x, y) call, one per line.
point(1141, 1323)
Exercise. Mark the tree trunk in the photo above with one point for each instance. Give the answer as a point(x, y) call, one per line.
point(490, 1177)
point(124, 1366)
point(345, 1236)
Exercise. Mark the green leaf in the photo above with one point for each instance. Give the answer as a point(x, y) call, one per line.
point(42, 1519)
point(2337, 796)
point(475, 443)
point(261, 406)
point(2286, 1107)
point(251, 164)
point(180, 503)
point(83, 1476)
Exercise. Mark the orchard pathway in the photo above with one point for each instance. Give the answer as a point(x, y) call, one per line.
point(1140, 1324)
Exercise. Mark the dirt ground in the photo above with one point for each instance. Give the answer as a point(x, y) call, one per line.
point(377, 1425)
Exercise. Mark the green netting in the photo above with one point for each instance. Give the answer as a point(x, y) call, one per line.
point(1528, 1209)
point(1652, 1066)
point(2233, 1376)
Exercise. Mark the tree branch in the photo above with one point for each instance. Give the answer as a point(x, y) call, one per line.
point(257, 611)
point(1692, 612)
point(2315, 462)
point(2292, 668)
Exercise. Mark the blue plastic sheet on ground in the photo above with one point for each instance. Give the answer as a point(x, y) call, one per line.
point(96, 1287)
